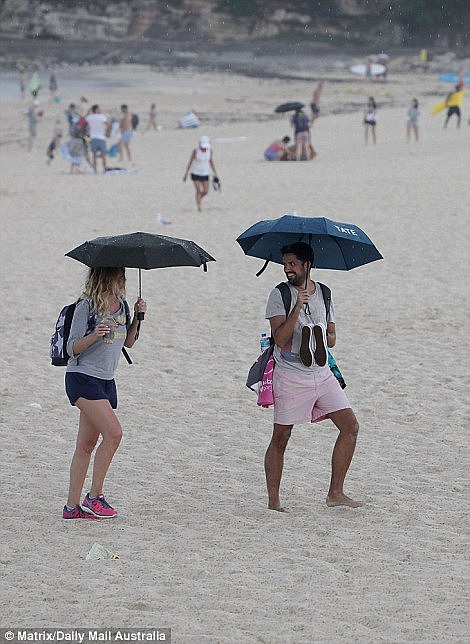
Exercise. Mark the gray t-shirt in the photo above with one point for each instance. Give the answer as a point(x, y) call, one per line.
point(289, 356)
point(101, 358)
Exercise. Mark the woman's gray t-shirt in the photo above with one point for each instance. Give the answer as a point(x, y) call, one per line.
point(101, 358)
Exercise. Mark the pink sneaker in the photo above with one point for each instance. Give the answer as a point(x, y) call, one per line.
point(76, 513)
point(98, 507)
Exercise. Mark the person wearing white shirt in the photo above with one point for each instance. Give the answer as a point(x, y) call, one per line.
point(97, 123)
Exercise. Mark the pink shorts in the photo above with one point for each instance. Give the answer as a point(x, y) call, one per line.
point(302, 397)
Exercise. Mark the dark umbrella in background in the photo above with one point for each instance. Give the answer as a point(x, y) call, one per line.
point(142, 251)
point(292, 106)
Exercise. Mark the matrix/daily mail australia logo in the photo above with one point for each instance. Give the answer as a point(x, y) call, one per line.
point(85, 636)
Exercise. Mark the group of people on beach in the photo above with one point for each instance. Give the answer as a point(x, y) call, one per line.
point(89, 129)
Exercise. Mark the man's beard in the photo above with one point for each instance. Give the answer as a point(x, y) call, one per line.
point(298, 280)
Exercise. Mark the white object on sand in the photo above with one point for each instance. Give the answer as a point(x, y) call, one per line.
point(97, 551)
point(361, 70)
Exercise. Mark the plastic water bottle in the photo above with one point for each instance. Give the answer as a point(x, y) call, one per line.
point(264, 342)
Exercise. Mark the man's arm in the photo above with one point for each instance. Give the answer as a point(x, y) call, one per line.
point(282, 328)
point(330, 335)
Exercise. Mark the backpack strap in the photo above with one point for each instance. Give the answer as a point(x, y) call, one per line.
point(326, 292)
point(286, 296)
point(284, 289)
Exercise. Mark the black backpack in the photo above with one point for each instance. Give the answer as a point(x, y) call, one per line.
point(135, 121)
point(58, 350)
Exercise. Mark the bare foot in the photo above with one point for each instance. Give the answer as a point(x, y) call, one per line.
point(333, 501)
point(278, 508)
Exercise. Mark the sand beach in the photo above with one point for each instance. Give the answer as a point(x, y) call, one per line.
point(198, 550)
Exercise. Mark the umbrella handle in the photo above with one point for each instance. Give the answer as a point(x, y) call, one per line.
point(140, 314)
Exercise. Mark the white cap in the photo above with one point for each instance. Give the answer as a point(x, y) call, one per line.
point(204, 142)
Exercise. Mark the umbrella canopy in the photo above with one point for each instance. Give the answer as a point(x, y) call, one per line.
point(289, 107)
point(140, 250)
point(336, 245)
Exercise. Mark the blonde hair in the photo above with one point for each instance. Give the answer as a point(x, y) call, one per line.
point(100, 283)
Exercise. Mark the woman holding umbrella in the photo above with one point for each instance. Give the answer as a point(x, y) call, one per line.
point(101, 326)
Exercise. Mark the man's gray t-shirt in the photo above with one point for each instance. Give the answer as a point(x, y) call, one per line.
point(289, 357)
point(100, 359)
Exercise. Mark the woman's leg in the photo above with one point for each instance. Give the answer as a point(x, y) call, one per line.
point(98, 418)
point(87, 438)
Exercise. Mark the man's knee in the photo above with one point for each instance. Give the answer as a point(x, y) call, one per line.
point(281, 435)
point(351, 428)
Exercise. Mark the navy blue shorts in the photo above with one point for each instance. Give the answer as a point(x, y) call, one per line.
point(79, 385)
point(199, 177)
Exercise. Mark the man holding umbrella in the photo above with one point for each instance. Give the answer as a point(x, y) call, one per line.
point(304, 388)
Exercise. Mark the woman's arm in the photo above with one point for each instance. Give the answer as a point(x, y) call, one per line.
point(191, 159)
point(133, 332)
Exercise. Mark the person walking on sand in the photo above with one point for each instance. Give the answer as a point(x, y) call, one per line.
point(152, 122)
point(34, 114)
point(453, 109)
point(53, 86)
point(55, 142)
point(100, 327)
point(300, 124)
point(200, 160)
point(97, 123)
point(304, 388)
point(370, 119)
point(125, 126)
point(412, 120)
point(315, 104)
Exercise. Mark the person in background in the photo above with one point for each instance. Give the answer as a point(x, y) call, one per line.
point(55, 142)
point(97, 124)
point(412, 120)
point(152, 122)
point(301, 127)
point(34, 114)
point(315, 104)
point(453, 109)
point(201, 161)
point(53, 86)
point(370, 119)
point(125, 125)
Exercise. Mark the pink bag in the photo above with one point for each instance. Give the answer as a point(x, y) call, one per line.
point(265, 392)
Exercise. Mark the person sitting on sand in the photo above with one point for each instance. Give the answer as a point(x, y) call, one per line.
point(279, 150)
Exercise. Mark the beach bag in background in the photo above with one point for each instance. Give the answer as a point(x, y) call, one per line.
point(265, 392)
point(135, 121)
point(190, 119)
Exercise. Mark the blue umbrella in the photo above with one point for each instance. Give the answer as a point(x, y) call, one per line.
point(336, 245)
